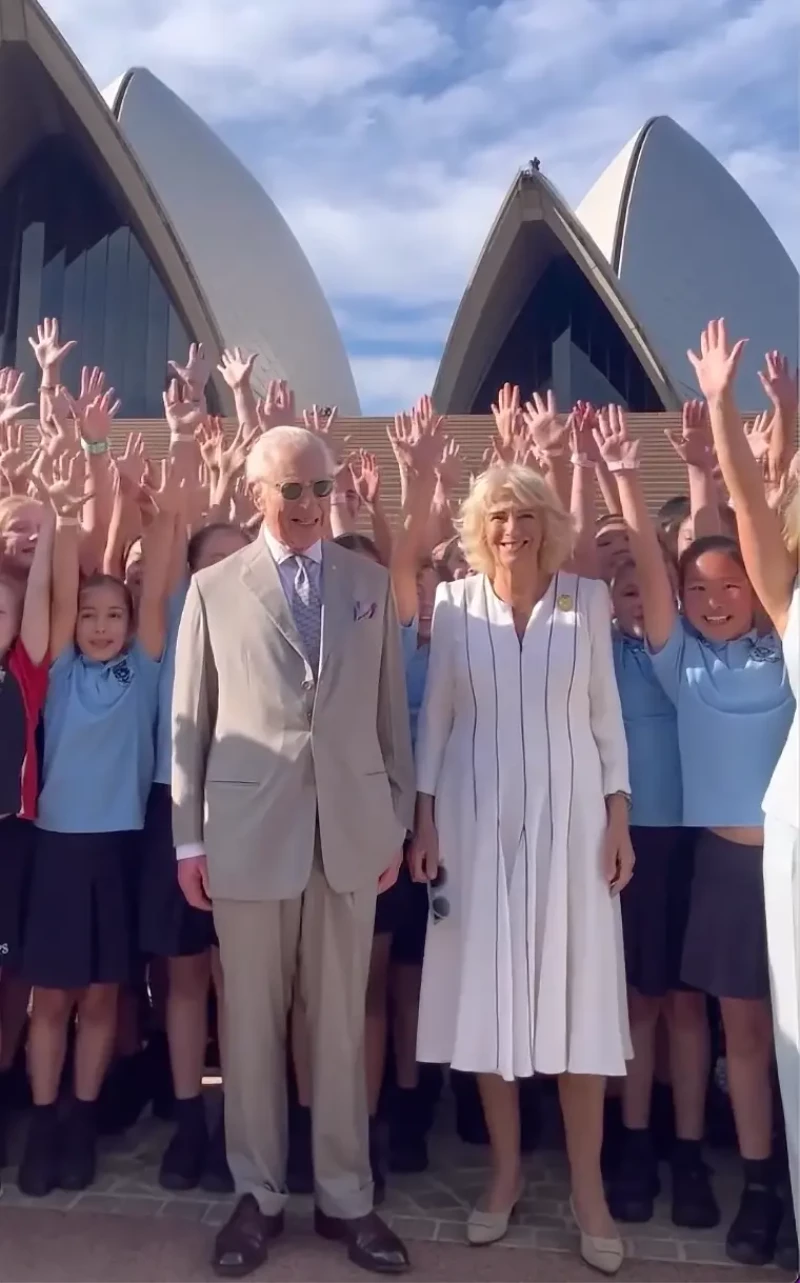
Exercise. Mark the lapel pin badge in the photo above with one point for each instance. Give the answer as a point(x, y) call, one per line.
point(564, 602)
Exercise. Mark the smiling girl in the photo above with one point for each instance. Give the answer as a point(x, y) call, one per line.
point(734, 708)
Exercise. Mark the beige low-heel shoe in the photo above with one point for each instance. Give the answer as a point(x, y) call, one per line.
point(603, 1254)
point(484, 1228)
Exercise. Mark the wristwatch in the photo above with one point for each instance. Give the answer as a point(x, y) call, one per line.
point(95, 447)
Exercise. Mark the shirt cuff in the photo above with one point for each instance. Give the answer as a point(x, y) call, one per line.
point(189, 851)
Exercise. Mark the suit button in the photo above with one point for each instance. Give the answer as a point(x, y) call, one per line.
point(308, 685)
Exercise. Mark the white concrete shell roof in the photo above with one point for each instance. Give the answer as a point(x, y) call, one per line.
point(45, 92)
point(688, 244)
point(534, 224)
point(260, 287)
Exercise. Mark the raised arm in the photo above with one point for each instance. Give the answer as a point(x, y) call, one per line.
point(157, 543)
point(769, 566)
point(35, 626)
point(236, 368)
point(621, 456)
point(585, 460)
point(695, 447)
point(61, 483)
point(417, 453)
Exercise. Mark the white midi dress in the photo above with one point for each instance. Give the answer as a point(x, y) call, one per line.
point(782, 905)
point(520, 743)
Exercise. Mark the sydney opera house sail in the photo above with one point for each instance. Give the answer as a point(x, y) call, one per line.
point(130, 221)
point(544, 310)
point(603, 303)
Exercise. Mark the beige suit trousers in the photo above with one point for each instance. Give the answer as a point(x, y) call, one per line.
point(323, 940)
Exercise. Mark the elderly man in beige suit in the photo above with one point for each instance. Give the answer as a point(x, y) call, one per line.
point(293, 788)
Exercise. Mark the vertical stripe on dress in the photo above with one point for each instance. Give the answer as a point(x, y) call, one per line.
point(576, 618)
point(547, 734)
point(497, 831)
point(474, 700)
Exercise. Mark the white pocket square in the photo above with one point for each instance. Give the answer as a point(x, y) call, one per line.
point(363, 610)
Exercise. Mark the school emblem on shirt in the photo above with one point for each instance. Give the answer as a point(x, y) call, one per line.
point(565, 602)
point(766, 650)
point(122, 672)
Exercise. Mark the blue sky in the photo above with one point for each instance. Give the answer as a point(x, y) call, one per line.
point(388, 131)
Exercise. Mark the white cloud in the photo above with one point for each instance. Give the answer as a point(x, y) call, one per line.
point(388, 131)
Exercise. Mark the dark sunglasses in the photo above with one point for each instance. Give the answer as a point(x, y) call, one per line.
point(293, 490)
point(438, 904)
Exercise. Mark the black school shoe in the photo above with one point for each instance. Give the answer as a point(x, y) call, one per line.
point(634, 1185)
point(753, 1234)
point(694, 1206)
point(39, 1168)
point(77, 1158)
point(787, 1256)
point(185, 1157)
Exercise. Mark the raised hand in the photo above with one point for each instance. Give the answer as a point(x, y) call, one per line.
point(210, 439)
point(278, 406)
point(230, 460)
point(618, 452)
point(449, 469)
point(759, 435)
point(694, 444)
point(508, 420)
point(94, 422)
point(57, 437)
point(544, 430)
point(49, 352)
point(194, 375)
point(10, 388)
point(93, 385)
point(778, 382)
point(715, 368)
point(15, 459)
point(60, 481)
point(132, 463)
point(320, 420)
point(165, 487)
point(582, 423)
point(184, 416)
point(236, 368)
point(366, 477)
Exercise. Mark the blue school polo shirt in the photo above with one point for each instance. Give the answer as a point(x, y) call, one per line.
point(415, 658)
point(99, 722)
point(163, 771)
point(735, 708)
point(651, 729)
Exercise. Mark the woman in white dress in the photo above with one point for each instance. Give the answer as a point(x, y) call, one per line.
point(770, 556)
point(522, 825)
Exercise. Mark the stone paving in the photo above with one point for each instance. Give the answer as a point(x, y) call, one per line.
point(429, 1208)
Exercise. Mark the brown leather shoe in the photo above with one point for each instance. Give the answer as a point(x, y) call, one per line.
point(370, 1243)
point(242, 1243)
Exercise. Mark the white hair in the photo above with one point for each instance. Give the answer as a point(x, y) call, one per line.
point(286, 439)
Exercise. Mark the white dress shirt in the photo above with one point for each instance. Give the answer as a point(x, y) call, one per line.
point(284, 560)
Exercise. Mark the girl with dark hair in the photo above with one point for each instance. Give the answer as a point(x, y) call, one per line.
point(734, 709)
point(80, 936)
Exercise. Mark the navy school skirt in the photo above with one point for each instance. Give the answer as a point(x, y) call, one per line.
point(16, 847)
point(169, 927)
point(655, 908)
point(81, 920)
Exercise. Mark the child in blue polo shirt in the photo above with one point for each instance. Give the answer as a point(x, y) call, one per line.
point(80, 931)
point(734, 709)
point(654, 916)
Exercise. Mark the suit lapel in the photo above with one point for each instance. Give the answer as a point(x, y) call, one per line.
point(337, 603)
point(260, 574)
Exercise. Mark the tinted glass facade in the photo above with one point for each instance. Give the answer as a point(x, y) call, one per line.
point(67, 251)
point(565, 338)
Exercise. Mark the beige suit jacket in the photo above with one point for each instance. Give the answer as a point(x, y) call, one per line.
point(260, 749)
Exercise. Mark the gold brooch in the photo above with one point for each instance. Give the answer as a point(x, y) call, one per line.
point(564, 602)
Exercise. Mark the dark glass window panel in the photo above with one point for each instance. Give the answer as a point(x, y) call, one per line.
point(94, 301)
point(134, 395)
point(563, 297)
point(29, 306)
point(68, 251)
point(157, 347)
point(116, 293)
